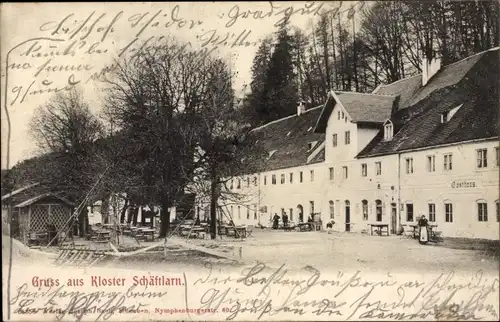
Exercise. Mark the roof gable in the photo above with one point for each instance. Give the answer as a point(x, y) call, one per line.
point(42, 197)
point(360, 107)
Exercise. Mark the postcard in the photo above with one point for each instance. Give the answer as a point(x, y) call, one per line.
point(250, 161)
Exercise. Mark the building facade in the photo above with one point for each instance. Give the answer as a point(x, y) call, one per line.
point(425, 145)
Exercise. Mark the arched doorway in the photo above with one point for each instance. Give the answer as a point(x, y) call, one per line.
point(347, 215)
point(300, 211)
point(332, 209)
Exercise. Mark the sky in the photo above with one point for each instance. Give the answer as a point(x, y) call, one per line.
point(52, 46)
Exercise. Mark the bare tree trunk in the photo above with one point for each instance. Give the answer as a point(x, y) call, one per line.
point(135, 215)
point(165, 217)
point(83, 222)
point(105, 209)
point(123, 212)
point(213, 204)
point(335, 73)
point(213, 211)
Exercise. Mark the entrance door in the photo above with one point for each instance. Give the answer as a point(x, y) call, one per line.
point(393, 218)
point(347, 216)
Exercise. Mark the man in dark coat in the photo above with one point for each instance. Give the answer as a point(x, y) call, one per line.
point(276, 220)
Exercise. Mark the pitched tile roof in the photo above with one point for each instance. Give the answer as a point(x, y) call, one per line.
point(472, 84)
point(411, 90)
point(405, 88)
point(361, 107)
point(289, 137)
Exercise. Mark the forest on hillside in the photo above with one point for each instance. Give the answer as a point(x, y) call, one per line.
point(384, 43)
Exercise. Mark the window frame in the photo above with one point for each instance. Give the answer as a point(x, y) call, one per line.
point(334, 140)
point(482, 211)
point(311, 174)
point(364, 209)
point(364, 169)
point(431, 209)
point(273, 179)
point(283, 178)
point(482, 158)
point(408, 212)
point(388, 131)
point(331, 173)
point(345, 172)
point(448, 213)
point(497, 206)
point(431, 163)
point(290, 177)
point(301, 176)
point(378, 168)
point(409, 165)
point(378, 210)
point(448, 161)
point(347, 137)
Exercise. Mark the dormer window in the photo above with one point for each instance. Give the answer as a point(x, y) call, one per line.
point(271, 153)
point(388, 130)
point(446, 116)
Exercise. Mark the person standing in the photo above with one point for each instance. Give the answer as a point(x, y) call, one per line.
point(285, 221)
point(423, 230)
point(276, 221)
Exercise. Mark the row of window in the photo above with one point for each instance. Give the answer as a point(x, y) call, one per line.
point(347, 138)
point(482, 162)
point(239, 211)
point(481, 207)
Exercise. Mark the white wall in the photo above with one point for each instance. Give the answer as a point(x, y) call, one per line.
point(339, 126)
point(393, 187)
point(424, 187)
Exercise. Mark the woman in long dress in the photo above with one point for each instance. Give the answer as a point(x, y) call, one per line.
point(424, 231)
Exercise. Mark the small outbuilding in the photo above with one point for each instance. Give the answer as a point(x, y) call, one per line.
point(41, 217)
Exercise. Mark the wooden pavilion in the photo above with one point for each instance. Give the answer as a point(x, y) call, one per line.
point(37, 217)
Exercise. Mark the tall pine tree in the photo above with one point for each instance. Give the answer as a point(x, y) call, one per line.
point(280, 91)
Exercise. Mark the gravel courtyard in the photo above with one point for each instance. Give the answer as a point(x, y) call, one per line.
point(328, 252)
point(350, 251)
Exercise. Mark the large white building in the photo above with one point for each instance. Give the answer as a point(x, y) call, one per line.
point(424, 145)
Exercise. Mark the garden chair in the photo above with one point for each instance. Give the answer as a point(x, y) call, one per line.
point(249, 230)
point(407, 232)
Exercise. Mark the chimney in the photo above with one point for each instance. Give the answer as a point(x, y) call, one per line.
point(429, 69)
point(301, 108)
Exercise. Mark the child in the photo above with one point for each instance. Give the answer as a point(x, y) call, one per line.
point(329, 226)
